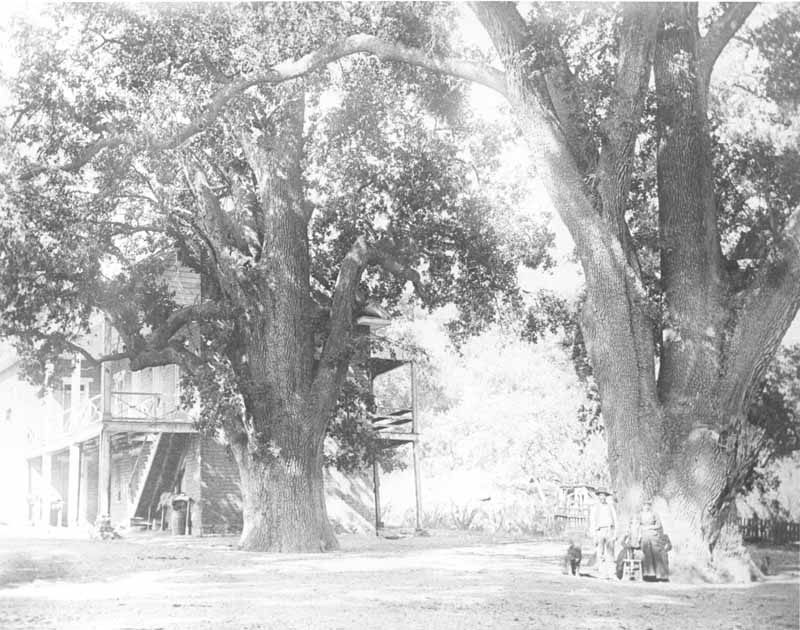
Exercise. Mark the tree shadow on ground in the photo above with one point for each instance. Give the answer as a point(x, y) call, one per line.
point(20, 568)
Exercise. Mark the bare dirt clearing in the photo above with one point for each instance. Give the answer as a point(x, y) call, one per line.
point(445, 581)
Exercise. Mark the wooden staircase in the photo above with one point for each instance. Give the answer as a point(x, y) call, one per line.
point(140, 472)
point(166, 461)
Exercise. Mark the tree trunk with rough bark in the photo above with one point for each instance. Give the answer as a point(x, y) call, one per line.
point(283, 496)
point(676, 431)
point(289, 387)
point(273, 372)
point(288, 396)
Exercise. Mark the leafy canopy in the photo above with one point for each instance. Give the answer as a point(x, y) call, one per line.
point(113, 123)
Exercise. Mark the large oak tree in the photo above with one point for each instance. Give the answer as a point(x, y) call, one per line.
point(675, 377)
point(135, 138)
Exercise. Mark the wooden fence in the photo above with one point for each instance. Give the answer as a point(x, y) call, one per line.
point(572, 518)
point(774, 531)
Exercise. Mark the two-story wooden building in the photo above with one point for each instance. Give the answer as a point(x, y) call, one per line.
point(117, 443)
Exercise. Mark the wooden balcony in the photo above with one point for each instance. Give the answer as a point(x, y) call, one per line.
point(144, 412)
point(145, 406)
point(147, 411)
point(59, 425)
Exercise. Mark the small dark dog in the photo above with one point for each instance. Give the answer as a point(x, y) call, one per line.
point(572, 560)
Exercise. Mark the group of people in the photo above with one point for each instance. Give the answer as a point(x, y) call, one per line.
point(644, 539)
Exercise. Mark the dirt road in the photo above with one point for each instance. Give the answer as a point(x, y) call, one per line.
point(443, 582)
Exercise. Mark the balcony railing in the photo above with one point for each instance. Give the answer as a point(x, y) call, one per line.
point(87, 413)
point(57, 422)
point(145, 406)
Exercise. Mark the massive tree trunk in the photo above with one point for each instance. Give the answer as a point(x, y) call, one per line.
point(280, 450)
point(667, 435)
point(278, 439)
point(274, 385)
point(289, 386)
point(616, 321)
point(283, 494)
point(713, 353)
point(695, 296)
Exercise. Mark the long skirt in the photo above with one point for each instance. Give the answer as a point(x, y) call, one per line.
point(655, 563)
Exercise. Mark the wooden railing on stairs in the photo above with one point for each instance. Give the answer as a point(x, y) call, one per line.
point(141, 468)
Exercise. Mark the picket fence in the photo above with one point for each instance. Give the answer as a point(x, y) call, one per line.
point(774, 531)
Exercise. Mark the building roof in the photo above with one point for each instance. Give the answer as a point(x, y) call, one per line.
point(374, 316)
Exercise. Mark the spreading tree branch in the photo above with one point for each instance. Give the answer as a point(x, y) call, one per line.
point(570, 108)
point(286, 71)
point(768, 307)
point(337, 349)
point(511, 38)
point(218, 232)
point(83, 352)
point(180, 318)
point(719, 34)
point(221, 225)
point(392, 265)
point(119, 229)
point(61, 340)
point(169, 355)
point(159, 347)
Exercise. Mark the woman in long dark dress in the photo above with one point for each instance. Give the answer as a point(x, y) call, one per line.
point(651, 532)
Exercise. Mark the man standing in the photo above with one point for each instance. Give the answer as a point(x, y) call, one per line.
point(603, 523)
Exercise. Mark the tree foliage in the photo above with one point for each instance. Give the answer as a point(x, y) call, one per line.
point(683, 308)
point(371, 167)
point(139, 141)
point(497, 405)
point(776, 412)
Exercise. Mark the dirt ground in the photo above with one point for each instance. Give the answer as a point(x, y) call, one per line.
point(445, 581)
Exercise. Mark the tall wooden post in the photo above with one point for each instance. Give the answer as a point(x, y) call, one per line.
point(376, 485)
point(73, 485)
point(414, 458)
point(195, 518)
point(75, 396)
point(104, 473)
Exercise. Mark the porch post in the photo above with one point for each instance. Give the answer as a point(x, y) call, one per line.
point(47, 483)
point(34, 497)
point(105, 391)
point(74, 485)
point(104, 473)
point(75, 419)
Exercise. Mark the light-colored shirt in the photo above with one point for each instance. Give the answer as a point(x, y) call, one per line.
point(604, 515)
